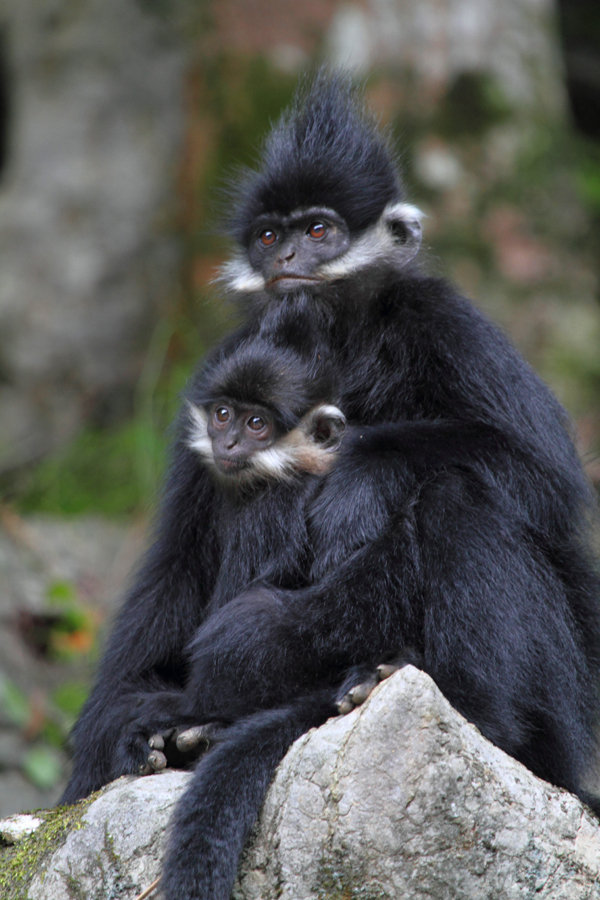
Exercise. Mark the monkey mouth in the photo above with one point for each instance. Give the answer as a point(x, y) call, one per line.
point(297, 280)
point(230, 466)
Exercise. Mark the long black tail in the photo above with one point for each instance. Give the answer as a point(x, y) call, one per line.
point(213, 818)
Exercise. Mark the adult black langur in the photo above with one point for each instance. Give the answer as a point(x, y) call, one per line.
point(455, 521)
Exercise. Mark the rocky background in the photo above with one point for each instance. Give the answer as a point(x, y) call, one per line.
point(119, 120)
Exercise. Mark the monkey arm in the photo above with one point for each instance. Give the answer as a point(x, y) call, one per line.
point(268, 644)
point(383, 567)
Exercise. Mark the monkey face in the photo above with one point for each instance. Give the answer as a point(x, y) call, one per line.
point(311, 249)
point(237, 432)
point(289, 250)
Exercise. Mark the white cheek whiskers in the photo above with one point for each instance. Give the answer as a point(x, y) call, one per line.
point(198, 438)
point(274, 462)
point(238, 276)
point(296, 453)
point(380, 244)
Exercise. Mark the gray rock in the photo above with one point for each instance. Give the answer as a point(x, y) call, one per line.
point(407, 799)
point(118, 850)
point(402, 798)
point(15, 828)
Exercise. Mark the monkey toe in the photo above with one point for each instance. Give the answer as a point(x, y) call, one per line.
point(157, 741)
point(360, 692)
point(345, 705)
point(357, 695)
point(157, 760)
point(409, 656)
point(385, 670)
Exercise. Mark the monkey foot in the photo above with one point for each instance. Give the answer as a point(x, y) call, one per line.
point(357, 695)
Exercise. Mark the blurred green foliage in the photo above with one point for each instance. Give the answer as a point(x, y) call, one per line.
point(110, 471)
point(42, 765)
point(114, 470)
point(65, 632)
point(14, 703)
point(588, 175)
point(42, 761)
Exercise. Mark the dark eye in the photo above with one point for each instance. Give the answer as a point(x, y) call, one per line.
point(222, 415)
point(256, 423)
point(317, 230)
point(267, 237)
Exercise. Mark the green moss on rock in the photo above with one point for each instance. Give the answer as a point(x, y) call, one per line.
point(20, 862)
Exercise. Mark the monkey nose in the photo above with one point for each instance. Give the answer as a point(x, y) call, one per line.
point(287, 257)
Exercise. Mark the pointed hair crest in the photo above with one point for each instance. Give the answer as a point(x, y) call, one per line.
point(327, 151)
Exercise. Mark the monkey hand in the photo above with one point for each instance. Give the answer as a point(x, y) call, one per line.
point(158, 734)
point(178, 747)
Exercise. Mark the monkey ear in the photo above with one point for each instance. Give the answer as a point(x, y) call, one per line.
point(403, 224)
point(325, 425)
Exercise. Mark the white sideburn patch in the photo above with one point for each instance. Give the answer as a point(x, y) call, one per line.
point(239, 276)
point(379, 243)
point(198, 435)
point(277, 462)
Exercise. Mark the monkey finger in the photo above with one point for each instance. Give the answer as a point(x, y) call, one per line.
point(160, 739)
point(359, 693)
point(345, 705)
point(156, 742)
point(157, 761)
point(409, 656)
point(199, 737)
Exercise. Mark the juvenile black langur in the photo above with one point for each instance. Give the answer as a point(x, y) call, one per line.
point(455, 521)
point(258, 422)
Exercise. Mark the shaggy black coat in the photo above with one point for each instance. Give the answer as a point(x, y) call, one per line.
point(456, 521)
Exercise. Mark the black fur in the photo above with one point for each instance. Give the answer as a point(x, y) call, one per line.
point(456, 522)
point(284, 381)
point(227, 791)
